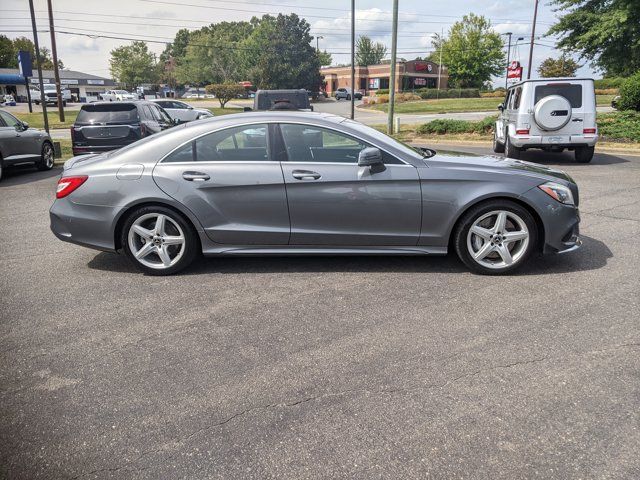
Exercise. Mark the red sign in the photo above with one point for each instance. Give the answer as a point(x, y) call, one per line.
point(514, 71)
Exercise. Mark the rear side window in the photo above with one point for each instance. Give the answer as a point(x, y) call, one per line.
point(571, 92)
point(116, 113)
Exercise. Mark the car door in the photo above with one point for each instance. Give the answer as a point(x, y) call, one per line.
point(22, 144)
point(333, 201)
point(162, 118)
point(231, 181)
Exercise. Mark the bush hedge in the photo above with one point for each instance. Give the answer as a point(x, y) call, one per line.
point(620, 126)
point(612, 82)
point(448, 126)
point(431, 93)
point(630, 94)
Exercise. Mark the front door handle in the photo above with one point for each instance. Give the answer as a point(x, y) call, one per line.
point(305, 175)
point(195, 176)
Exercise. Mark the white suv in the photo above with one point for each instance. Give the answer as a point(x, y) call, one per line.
point(552, 114)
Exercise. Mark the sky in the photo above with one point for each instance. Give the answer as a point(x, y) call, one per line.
point(82, 26)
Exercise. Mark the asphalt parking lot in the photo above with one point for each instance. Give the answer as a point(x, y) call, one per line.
point(322, 367)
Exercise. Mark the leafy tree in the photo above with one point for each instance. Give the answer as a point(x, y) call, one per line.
point(564, 66)
point(278, 53)
point(225, 91)
point(606, 32)
point(9, 53)
point(133, 64)
point(7, 57)
point(368, 52)
point(630, 94)
point(325, 58)
point(472, 52)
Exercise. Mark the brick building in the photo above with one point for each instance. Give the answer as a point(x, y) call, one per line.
point(410, 75)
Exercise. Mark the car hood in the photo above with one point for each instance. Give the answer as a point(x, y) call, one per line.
point(492, 162)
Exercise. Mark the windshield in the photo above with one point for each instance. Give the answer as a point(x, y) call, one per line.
point(121, 91)
point(403, 147)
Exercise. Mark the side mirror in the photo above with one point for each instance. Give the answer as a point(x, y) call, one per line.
point(371, 157)
point(247, 109)
point(501, 107)
point(25, 126)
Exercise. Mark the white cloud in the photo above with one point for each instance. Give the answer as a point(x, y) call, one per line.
point(77, 44)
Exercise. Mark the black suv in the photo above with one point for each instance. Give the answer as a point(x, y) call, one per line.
point(104, 126)
point(282, 100)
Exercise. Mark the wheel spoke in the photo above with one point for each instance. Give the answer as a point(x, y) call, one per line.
point(514, 236)
point(159, 228)
point(163, 253)
point(501, 221)
point(174, 240)
point(143, 232)
point(481, 232)
point(144, 251)
point(503, 251)
point(484, 251)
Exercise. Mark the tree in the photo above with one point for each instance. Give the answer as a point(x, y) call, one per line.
point(133, 64)
point(564, 66)
point(630, 93)
point(9, 53)
point(472, 52)
point(7, 57)
point(324, 58)
point(606, 32)
point(368, 52)
point(225, 91)
point(278, 54)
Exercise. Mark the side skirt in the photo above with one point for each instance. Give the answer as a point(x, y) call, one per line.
point(324, 250)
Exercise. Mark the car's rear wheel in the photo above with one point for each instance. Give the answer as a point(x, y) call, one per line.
point(47, 157)
point(584, 154)
point(158, 240)
point(510, 150)
point(497, 146)
point(348, 97)
point(495, 237)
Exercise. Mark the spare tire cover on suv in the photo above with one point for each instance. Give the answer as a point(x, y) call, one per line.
point(552, 112)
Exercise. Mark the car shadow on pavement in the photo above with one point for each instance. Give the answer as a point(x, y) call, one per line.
point(12, 177)
point(593, 255)
point(567, 158)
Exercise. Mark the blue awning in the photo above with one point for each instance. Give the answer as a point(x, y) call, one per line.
point(11, 79)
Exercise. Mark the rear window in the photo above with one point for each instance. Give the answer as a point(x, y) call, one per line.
point(112, 113)
point(571, 92)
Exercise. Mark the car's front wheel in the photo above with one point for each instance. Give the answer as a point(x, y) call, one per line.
point(158, 240)
point(495, 237)
point(47, 157)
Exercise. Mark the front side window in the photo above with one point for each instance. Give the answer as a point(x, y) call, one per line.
point(247, 143)
point(571, 92)
point(9, 119)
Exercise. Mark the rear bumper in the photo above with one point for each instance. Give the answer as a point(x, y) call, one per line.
point(544, 142)
point(86, 225)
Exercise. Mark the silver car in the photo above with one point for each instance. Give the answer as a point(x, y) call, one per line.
point(181, 111)
point(281, 183)
point(22, 145)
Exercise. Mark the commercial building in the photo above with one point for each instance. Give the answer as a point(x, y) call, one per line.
point(83, 86)
point(410, 75)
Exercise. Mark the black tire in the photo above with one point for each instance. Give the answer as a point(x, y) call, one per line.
point(191, 242)
point(1, 168)
point(461, 233)
point(348, 97)
point(497, 146)
point(37, 102)
point(584, 154)
point(510, 150)
point(47, 157)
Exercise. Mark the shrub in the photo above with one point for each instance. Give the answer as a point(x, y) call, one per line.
point(431, 93)
point(448, 126)
point(494, 94)
point(620, 125)
point(630, 93)
point(607, 91)
point(382, 99)
point(612, 82)
point(225, 91)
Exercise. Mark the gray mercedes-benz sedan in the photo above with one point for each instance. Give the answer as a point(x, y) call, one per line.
point(293, 183)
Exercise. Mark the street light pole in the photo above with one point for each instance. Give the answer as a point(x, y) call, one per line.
point(506, 80)
point(533, 36)
point(43, 100)
point(318, 43)
point(54, 54)
point(392, 80)
point(353, 57)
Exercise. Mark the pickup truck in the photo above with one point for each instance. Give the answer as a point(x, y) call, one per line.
point(50, 94)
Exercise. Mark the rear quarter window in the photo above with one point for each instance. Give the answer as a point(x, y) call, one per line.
point(116, 113)
point(571, 92)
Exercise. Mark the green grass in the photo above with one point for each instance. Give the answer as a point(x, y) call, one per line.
point(224, 111)
point(454, 105)
point(36, 120)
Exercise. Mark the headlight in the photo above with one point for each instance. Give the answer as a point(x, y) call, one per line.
point(559, 192)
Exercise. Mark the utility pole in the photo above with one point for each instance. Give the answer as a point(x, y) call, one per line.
point(506, 80)
point(43, 100)
point(533, 36)
point(54, 54)
point(318, 43)
point(392, 80)
point(353, 58)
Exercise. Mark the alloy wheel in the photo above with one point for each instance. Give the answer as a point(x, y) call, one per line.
point(47, 156)
point(156, 241)
point(498, 239)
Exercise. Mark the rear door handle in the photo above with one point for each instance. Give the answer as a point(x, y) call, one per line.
point(305, 175)
point(195, 176)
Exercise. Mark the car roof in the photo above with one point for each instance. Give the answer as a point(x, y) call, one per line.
point(128, 102)
point(552, 80)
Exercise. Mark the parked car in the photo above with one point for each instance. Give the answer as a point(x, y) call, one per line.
point(21, 145)
point(104, 126)
point(50, 93)
point(552, 114)
point(118, 96)
point(282, 100)
point(274, 183)
point(180, 111)
point(345, 92)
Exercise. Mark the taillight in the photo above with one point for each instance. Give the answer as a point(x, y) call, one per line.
point(589, 130)
point(524, 131)
point(66, 185)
